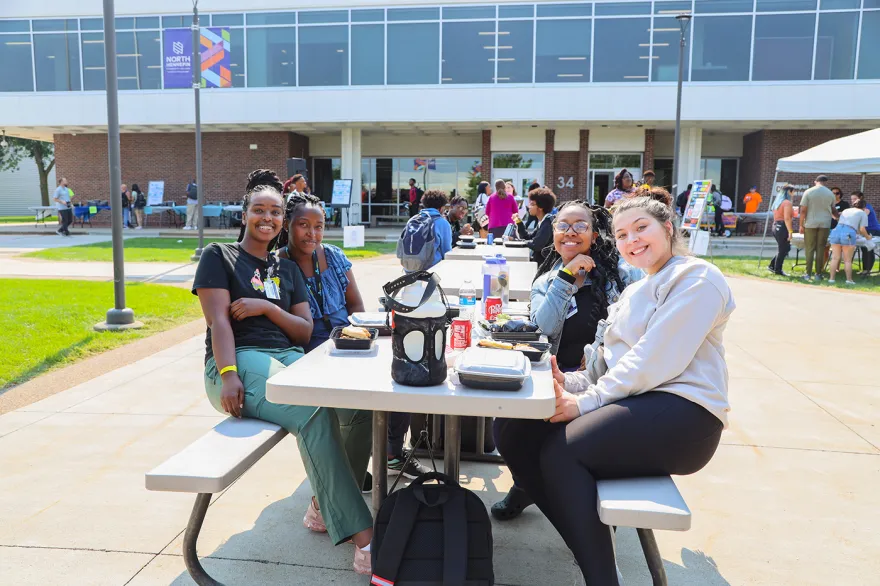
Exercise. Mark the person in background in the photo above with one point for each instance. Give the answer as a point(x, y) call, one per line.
point(192, 206)
point(530, 221)
point(868, 256)
point(623, 187)
point(581, 276)
point(752, 200)
point(61, 197)
point(782, 230)
point(852, 222)
point(541, 204)
point(458, 209)
point(257, 311)
point(815, 215)
point(683, 198)
point(648, 179)
point(840, 204)
point(125, 197)
point(415, 195)
point(140, 203)
point(657, 404)
point(296, 185)
point(500, 208)
point(714, 203)
point(433, 201)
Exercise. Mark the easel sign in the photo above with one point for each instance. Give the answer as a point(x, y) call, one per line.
point(693, 217)
point(341, 198)
point(155, 193)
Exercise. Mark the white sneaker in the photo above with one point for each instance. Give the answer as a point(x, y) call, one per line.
point(187, 227)
point(850, 282)
point(139, 227)
point(831, 281)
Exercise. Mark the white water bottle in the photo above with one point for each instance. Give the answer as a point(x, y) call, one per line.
point(467, 299)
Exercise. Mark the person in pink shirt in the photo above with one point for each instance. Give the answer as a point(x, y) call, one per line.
point(500, 209)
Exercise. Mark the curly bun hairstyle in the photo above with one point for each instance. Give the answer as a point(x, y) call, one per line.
point(260, 181)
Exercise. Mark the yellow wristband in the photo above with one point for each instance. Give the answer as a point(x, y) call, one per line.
point(231, 368)
point(563, 269)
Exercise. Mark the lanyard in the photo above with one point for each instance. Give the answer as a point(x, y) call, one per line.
point(318, 291)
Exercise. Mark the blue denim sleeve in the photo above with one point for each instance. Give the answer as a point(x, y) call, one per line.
point(550, 298)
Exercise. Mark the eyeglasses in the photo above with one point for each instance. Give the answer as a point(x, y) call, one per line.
point(578, 227)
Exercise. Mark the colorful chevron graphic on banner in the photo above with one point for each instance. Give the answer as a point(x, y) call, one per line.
point(215, 47)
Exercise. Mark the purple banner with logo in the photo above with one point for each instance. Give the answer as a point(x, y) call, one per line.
point(177, 58)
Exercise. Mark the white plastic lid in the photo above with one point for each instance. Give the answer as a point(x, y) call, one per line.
point(411, 295)
point(506, 364)
point(375, 319)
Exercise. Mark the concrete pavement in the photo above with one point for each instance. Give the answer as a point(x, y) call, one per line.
point(790, 498)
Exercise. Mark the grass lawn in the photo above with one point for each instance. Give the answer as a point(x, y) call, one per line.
point(15, 219)
point(172, 250)
point(748, 265)
point(48, 323)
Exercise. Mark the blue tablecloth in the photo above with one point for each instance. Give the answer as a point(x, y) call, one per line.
point(83, 211)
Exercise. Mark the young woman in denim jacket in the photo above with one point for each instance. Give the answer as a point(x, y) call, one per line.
point(581, 276)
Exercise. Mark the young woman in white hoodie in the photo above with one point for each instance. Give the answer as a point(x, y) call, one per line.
point(653, 402)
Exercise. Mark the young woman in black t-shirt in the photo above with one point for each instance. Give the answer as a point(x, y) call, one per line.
point(258, 315)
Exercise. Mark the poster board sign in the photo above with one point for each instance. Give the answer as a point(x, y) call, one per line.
point(696, 205)
point(155, 193)
point(341, 192)
point(215, 57)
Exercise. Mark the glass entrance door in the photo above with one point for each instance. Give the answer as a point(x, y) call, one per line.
point(521, 179)
point(601, 183)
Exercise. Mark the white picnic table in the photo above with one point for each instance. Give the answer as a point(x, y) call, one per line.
point(512, 254)
point(43, 212)
point(452, 274)
point(364, 382)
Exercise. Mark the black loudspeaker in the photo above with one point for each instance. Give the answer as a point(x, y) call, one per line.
point(297, 166)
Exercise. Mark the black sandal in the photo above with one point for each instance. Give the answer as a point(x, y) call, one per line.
point(512, 505)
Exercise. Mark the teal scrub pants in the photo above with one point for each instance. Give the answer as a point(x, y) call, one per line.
point(334, 443)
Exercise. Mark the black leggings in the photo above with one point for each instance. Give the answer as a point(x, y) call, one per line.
point(557, 464)
point(783, 246)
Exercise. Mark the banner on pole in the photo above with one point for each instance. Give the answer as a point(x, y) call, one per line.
point(696, 205)
point(215, 58)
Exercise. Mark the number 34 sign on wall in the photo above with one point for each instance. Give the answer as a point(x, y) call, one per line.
point(562, 182)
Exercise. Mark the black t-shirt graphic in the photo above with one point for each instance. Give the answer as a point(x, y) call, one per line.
point(580, 329)
point(228, 266)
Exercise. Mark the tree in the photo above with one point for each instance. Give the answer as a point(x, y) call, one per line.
point(43, 153)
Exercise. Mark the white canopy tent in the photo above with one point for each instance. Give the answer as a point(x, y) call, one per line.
point(857, 154)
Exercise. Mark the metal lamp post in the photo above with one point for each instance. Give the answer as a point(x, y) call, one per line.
point(120, 317)
point(197, 85)
point(683, 22)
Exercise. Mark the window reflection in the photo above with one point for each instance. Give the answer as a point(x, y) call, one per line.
point(413, 53)
point(271, 58)
point(93, 61)
point(15, 55)
point(783, 47)
point(869, 64)
point(368, 54)
point(138, 60)
point(667, 40)
point(563, 51)
point(836, 45)
point(515, 51)
point(469, 52)
point(56, 58)
point(722, 47)
point(622, 49)
point(323, 56)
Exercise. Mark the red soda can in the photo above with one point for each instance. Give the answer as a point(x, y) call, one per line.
point(461, 333)
point(492, 307)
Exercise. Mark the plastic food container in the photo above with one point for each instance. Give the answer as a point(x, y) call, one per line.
point(540, 352)
point(352, 344)
point(494, 370)
point(371, 319)
point(515, 243)
point(517, 336)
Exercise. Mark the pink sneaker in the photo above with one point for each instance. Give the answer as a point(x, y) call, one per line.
point(313, 520)
point(363, 563)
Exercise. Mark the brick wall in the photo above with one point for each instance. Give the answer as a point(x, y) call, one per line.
point(583, 171)
point(550, 158)
point(648, 160)
point(486, 172)
point(566, 165)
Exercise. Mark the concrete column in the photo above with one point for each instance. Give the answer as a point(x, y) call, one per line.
point(351, 169)
point(691, 153)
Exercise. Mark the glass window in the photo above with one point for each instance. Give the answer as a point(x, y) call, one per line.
point(15, 26)
point(622, 49)
point(413, 14)
point(468, 12)
point(323, 55)
point(227, 19)
point(93, 61)
point(722, 47)
point(124, 23)
point(515, 51)
point(671, 7)
point(174, 22)
point(783, 47)
point(271, 57)
point(839, 4)
point(55, 24)
point(619, 161)
point(785, 5)
point(413, 53)
point(565, 10)
point(869, 64)
point(15, 55)
point(667, 38)
point(236, 56)
point(871, 4)
point(562, 54)
point(368, 54)
point(146, 22)
point(373, 15)
point(138, 60)
point(322, 16)
point(516, 11)
point(469, 177)
point(518, 160)
point(716, 6)
point(441, 174)
point(469, 52)
point(272, 18)
point(836, 45)
point(622, 8)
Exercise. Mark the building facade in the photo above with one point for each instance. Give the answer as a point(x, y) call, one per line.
point(562, 93)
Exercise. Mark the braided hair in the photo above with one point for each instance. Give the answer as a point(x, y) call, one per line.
point(603, 251)
point(294, 201)
point(260, 181)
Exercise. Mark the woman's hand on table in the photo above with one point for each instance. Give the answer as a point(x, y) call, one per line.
point(232, 394)
point(249, 307)
point(558, 375)
point(566, 403)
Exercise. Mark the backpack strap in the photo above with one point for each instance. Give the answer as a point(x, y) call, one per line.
point(455, 538)
point(395, 539)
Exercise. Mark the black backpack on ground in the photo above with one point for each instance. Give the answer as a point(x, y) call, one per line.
point(432, 535)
